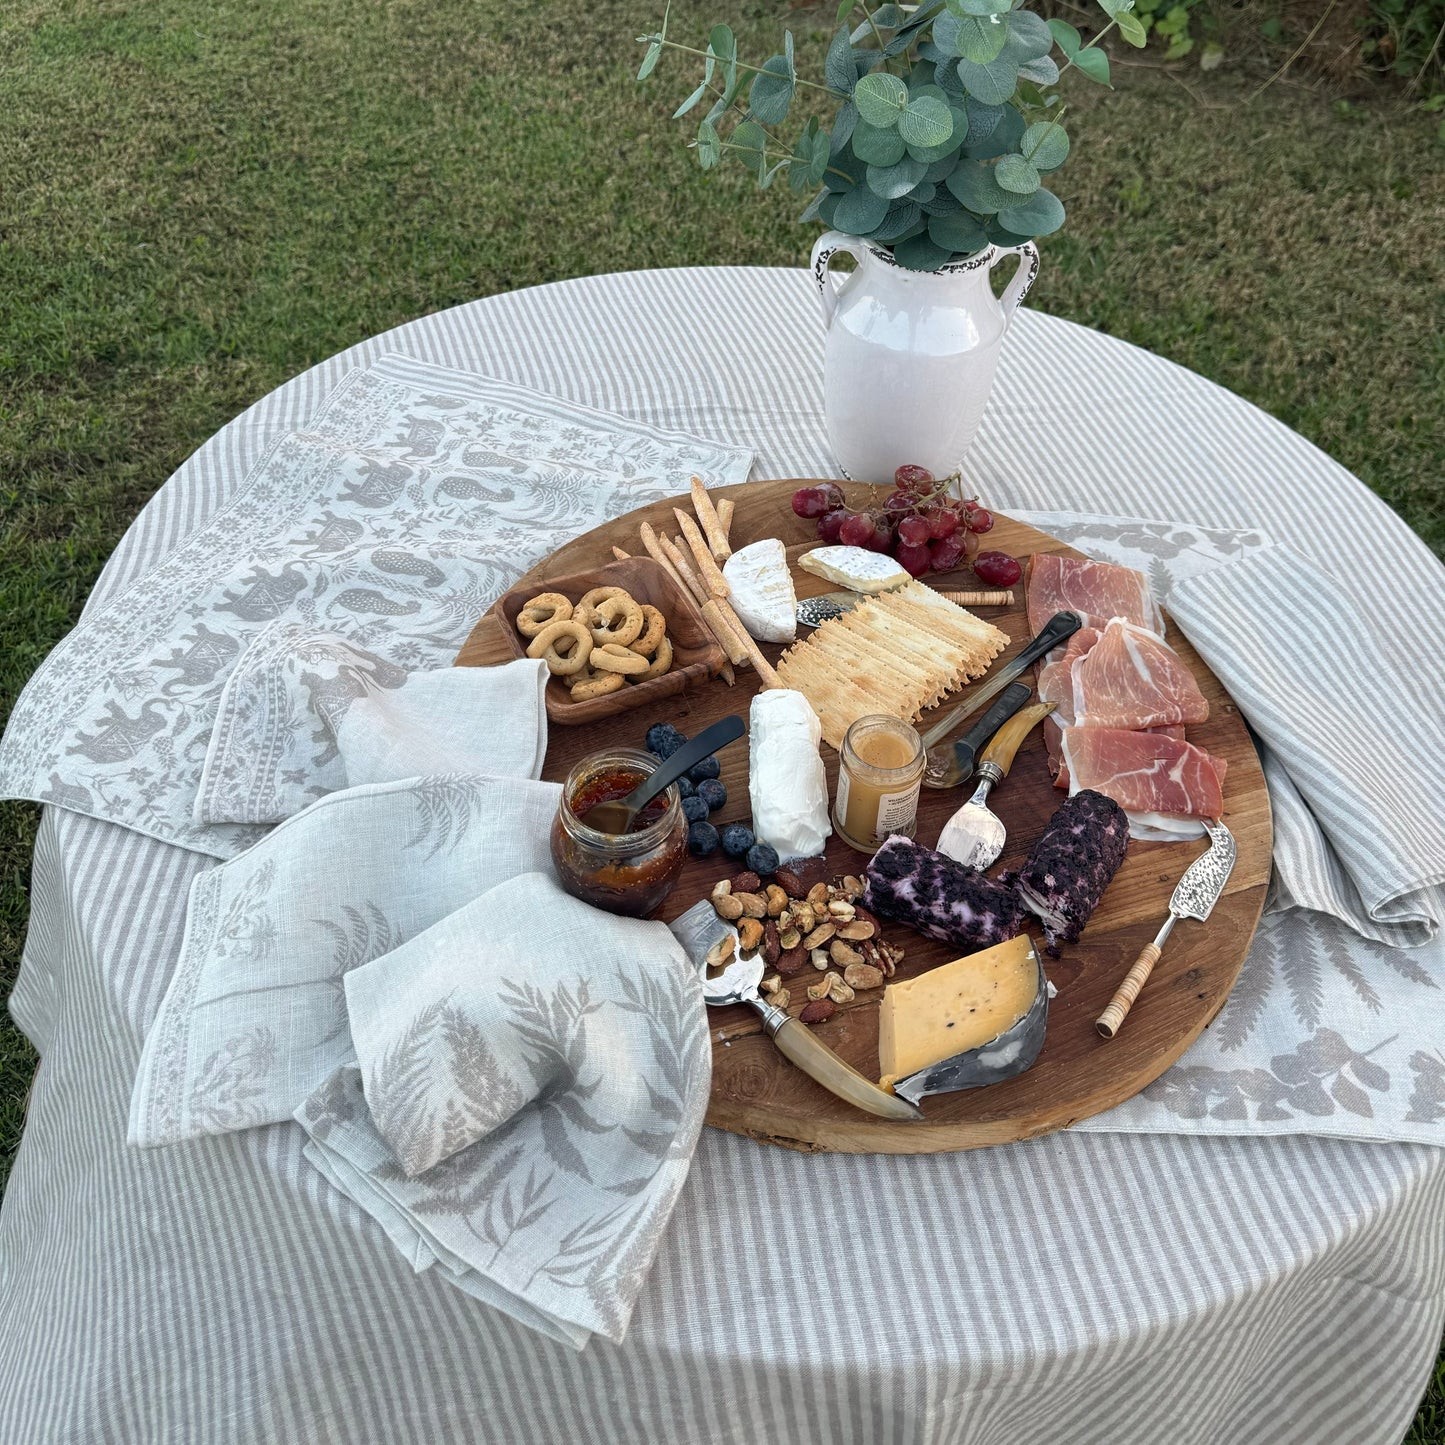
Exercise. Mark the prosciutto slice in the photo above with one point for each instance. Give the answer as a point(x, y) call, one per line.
point(1145, 772)
point(1055, 676)
point(1131, 679)
point(1097, 591)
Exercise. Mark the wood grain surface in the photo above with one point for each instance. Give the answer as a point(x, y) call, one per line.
point(755, 1091)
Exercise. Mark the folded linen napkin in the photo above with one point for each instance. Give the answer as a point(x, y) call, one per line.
point(530, 1080)
point(412, 499)
point(1352, 734)
point(307, 712)
point(254, 1017)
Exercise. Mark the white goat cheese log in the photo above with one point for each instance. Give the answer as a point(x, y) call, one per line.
point(787, 784)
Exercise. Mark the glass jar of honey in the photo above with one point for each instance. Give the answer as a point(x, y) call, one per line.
point(880, 773)
point(629, 873)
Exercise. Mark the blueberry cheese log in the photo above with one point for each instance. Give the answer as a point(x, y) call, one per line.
point(1072, 864)
point(939, 897)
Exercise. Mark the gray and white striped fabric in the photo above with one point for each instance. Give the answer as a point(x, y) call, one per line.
point(1081, 1288)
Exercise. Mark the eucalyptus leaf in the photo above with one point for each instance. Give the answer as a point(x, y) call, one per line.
point(1040, 215)
point(941, 203)
point(919, 253)
point(940, 171)
point(976, 186)
point(845, 171)
point(1132, 29)
point(1000, 235)
point(843, 124)
point(838, 64)
point(880, 98)
point(926, 121)
point(859, 211)
point(1069, 40)
point(902, 217)
point(992, 83)
point(691, 101)
point(927, 50)
point(894, 182)
point(649, 61)
point(974, 38)
point(828, 207)
point(983, 119)
point(1042, 71)
point(1029, 36)
point(1002, 139)
point(709, 145)
point(748, 142)
point(845, 9)
point(1016, 174)
point(959, 232)
point(922, 73)
point(923, 192)
point(1114, 8)
point(940, 153)
point(1094, 63)
point(767, 178)
point(878, 147)
point(814, 208)
point(1046, 144)
point(890, 16)
point(772, 92)
point(818, 160)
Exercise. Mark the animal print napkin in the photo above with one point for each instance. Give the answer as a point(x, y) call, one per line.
point(381, 532)
point(530, 1081)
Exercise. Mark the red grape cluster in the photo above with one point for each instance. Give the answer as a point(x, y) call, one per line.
point(919, 524)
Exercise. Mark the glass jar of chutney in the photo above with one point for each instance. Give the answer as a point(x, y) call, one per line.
point(628, 873)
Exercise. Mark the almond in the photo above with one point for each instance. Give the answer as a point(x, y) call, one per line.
point(818, 1011)
point(746, 883)
point(772, 947)
point(754, 905)
point(728, 906)
point(790, 883)
point(791, 961)
point(862, 975)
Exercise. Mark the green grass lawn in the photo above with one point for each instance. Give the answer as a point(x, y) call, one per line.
point(198, 200)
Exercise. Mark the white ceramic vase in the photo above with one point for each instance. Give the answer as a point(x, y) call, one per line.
point(910, 356)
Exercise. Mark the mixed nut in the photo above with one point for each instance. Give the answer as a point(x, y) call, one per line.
point(795, 925)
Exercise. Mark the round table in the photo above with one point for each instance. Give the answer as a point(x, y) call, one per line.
point(1081, 1287)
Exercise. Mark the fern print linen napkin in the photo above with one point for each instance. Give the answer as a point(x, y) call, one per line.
point(530, 1080)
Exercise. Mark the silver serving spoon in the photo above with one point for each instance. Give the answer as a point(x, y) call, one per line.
point(975, 835)
point(616, 815)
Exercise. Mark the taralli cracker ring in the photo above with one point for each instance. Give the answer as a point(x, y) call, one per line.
point(612, 658)
point(654, 629)
point(658, 665)
point(615, 619)
point(589, 600)
point(598, 684)
point(541, 610)
point(565, 646)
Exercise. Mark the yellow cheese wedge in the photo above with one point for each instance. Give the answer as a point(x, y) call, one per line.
point(956, 1007)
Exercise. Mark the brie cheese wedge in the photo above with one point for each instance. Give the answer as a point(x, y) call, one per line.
point(787, 785)
point(762, 591)
point(855, 568)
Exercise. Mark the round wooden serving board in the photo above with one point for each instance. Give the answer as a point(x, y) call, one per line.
point(755, 1091)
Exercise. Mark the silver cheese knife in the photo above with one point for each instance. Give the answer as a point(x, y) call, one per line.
point(705, 938)
point(814, 611)
point(1195, 895)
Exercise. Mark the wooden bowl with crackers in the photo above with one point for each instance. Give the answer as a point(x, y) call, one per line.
point(528, 613)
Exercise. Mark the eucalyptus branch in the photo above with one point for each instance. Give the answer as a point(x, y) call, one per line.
point(872, 25)
point(1112, 25)
point(741, 65)
point(1053, 125)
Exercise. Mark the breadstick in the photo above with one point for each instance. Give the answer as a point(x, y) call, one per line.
point(712, 528)
point(979, 599)
point(723, 631)
point(765, 670)
point(659, 548)
point(621, 555)
point(725, 517)
point(706, 567)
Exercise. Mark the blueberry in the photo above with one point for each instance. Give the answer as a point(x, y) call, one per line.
point(713, 794)
point(701, 840)
point(707, 768)
point(694, 809)
point(762, 859)
point(664, 740)
point(684, 788)
point(737, 838)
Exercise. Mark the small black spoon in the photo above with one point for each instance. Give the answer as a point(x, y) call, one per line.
point(616, 815)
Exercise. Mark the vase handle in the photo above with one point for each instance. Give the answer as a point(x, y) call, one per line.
point(1023, 278)
point(824, 249)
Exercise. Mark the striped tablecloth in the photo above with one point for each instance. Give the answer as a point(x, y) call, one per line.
point(1084, 1287)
